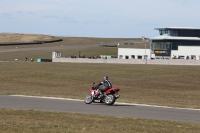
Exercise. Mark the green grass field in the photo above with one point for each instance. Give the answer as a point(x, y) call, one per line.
point(20, 121)
point(175, 86)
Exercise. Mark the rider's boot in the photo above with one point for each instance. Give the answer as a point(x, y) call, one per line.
point(100, 95)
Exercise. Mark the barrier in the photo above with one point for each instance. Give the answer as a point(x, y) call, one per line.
point(44, 60)
point(130, 61)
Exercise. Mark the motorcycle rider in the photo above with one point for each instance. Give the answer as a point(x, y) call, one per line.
point(106, 85)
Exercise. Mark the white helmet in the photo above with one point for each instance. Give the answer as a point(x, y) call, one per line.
point(105, 77)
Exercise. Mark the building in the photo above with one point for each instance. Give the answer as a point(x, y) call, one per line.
point(173, 43)
point(138, 49)
point(176, 42)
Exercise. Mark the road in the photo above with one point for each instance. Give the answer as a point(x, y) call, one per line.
point(118, 109)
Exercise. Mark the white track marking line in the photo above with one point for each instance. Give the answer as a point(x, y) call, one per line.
point(144, 105)
point(56, 98)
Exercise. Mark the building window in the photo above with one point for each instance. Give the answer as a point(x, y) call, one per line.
point(181, 57)
point(120, 56)
point(126, 57)
point(162, 45)
point(133, 56)
point(145, 56)
point(193, 57)
point(175, 33)
point(175, 46)
point(164, 32)
point(139, 57)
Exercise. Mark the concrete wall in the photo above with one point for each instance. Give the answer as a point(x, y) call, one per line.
point(129, 61)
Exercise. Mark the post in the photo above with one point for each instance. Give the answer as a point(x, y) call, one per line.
point(150, 49)
point(145, 55)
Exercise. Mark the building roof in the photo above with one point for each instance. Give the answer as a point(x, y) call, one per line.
point(175, 38)
point(177, 28)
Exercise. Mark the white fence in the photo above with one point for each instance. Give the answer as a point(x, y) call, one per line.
point(130, 61)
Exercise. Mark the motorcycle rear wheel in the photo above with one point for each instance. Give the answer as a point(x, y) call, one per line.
point(88, 99)
point(109, 99)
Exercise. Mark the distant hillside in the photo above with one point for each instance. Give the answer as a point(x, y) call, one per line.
point(7, 39)
point(25, 38)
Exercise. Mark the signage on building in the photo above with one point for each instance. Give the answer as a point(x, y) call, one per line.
point(160, 51)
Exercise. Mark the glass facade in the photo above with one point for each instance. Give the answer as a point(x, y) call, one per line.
point(164, 32)
point(163, 48)
point(168, 32)
point(161, 45)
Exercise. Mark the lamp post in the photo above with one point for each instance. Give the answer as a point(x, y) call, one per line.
point(145, 55)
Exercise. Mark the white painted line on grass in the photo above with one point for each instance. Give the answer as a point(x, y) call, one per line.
point(144, 105)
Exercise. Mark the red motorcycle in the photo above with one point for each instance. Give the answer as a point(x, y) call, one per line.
point(109, 97)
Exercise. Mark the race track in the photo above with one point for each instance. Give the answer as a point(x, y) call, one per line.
point(118, 109)
point(78, 106)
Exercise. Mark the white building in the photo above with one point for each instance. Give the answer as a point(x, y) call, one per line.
point(133, 53)
point(173, 42)
point(137, 50)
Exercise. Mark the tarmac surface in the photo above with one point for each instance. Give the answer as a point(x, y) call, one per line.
point(118, 109)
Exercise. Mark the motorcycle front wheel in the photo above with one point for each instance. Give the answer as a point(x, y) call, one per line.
point(110, 99)
point(88, 99)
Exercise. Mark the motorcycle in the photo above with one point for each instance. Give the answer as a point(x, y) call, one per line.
point(109, 96)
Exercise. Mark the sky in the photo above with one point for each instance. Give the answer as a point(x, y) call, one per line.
point(97, 18)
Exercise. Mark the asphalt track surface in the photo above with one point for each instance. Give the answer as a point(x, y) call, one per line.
point(118, 109)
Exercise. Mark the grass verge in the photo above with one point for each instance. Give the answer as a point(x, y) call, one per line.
point(18, 121)
point(175, 86)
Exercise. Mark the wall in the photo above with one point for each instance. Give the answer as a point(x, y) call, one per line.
point(129, 61)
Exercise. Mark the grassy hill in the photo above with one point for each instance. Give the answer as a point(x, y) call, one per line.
point(45, 50)
point(17, 37)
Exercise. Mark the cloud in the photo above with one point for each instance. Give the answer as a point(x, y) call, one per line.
point(117, 15)
point(147, 24)
point(94, 22)
point(51, 16)
point(25, 6)
point(5, 15)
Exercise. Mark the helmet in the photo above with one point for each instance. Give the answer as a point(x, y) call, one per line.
point(105, 77)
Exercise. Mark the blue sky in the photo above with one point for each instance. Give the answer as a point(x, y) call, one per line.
point(97, 18)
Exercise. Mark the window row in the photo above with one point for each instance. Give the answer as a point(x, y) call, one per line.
point(133, 57)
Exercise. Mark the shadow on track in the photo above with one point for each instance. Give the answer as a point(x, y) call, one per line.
point(116, 105)
point(122, 105)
